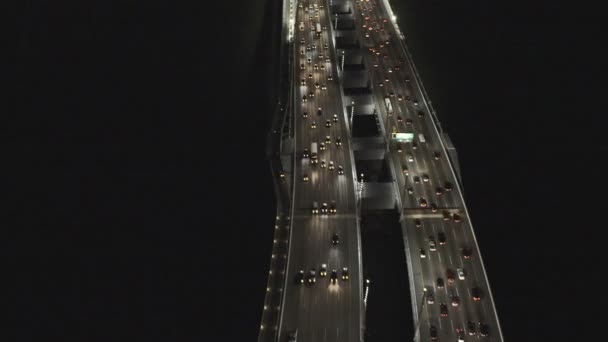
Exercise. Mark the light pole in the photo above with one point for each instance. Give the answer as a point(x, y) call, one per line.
point(352, 113)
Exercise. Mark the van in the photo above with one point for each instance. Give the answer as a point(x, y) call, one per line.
point(421, 138)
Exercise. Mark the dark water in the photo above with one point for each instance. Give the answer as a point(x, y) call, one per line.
point(141, 205)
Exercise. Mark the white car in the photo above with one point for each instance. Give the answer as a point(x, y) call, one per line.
point(460, 273)
point(410, 158)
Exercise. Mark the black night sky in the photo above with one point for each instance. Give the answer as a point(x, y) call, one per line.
point(140, 204)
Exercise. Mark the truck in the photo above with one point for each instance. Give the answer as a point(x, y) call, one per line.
point(318, 29)
point(389, 107)
point(313, 153)
point(421, 138)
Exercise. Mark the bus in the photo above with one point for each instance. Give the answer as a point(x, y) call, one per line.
point(313, 153)
point(389, 107)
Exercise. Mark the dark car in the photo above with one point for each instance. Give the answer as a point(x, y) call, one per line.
point(437, 155)
point(423, 203)
point(323, 270)
point(334, 276)
point(344, 273)
point(466, 252)
point(305, 114)
point(433, 332)
point(434, 207)
point(327, 123)
point(420, 114)
point(335, 239)
point(443, 309)
point(299, 278)
point(305, 153)
point(471, 328)
point(418, 223)
point(440, 283)
point(311, 277)
point(439, 191)
point(449, 275)
point(319, 112)
point(476, 293)
point(324, 208)
point(332, 207)
point(338, 141)
point(448, 186)
point(446, 215)
point(340, 170)
point(483, 329)
point(460, 335)
point(456, 218)
point(430, 298)
point(441, 238)
point(410, 190)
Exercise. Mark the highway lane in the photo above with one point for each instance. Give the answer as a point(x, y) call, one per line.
point(448, 256)
point(321, 312)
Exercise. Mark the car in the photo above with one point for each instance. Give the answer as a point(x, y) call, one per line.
point(430, 298)
point(466, 253)
point(344, 273)
point(448, 186)
point(414, 145)
point(316, 85)
point(335, 239)
point(423, 203)
point(305, 153)
point(416, 179)
point(460, 335)
point(329, 77)
point(433, 332)
point(322, 146)
point(425, 178)
point(456, 218)
point(422, 253)
point(460, 273)
point(399, 97)
point(410, 190)
point(323, 87)
point(380, 84)
point(399, 147)
point(304, 99)
point(305, 115)
point(340, 170)
point(313, 125)
point(391, 94)
point(449, 274)
point(418, 223)
point(440, 283)
point(282, 174)
point(327, 123)
point(434, 207)
point(310, 76)
point(309, 61)
point(483, 329)
point(303, 82)
point(316, 66)
point(441, 238)
point(432, 245)
point(302, 66)
point(311, 277)
point(332, 207)
point(415, 102)
point(323, 270)
point(436, 155)
point(319, 111)
point(304, 178)
point(443, 309)
point(302, 41)
point(455, 300)
point(420, 114)
point(399, 118)
point(471, 328)
point(334, 276)
point(325, 46)
point(315, 208)
point(408, 98)
point(476, 293)
point(408, 122)
point(331, 165)
point(299, 278)
point(410, 158)
point(327, 139)
point(438, 191)
point(446, 215)
point(324, 208)
point(405, 170)
point(406, 78)
point(293, 336)
point(322, 67)
point(338, 141)
point(335, 117)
